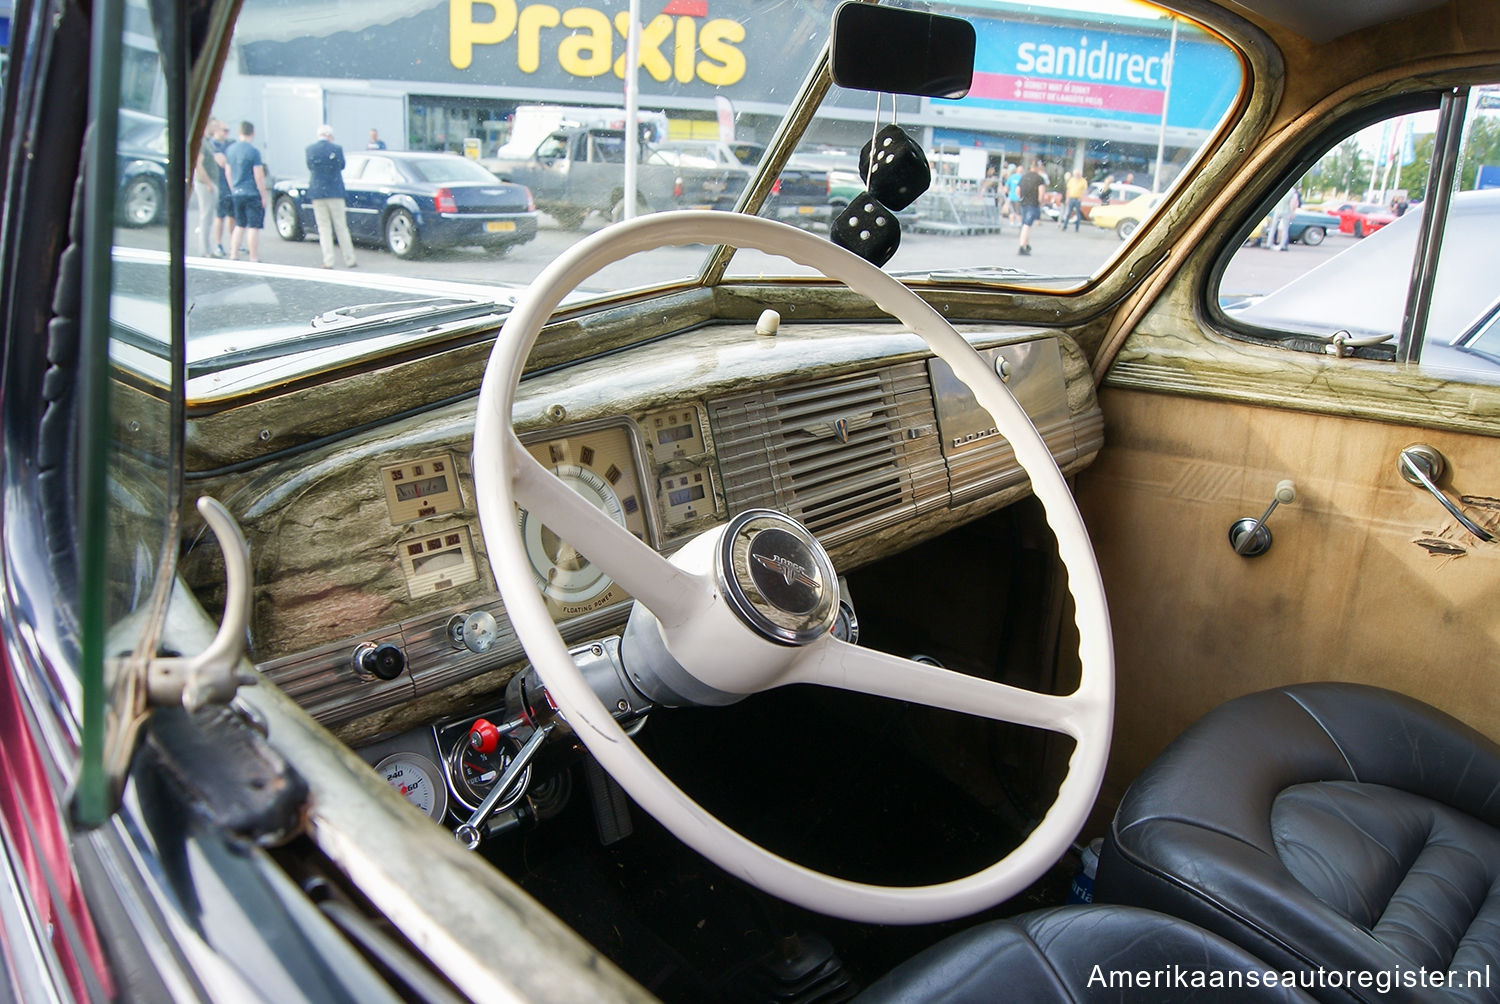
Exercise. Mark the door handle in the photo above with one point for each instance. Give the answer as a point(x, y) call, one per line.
point(1421, 465)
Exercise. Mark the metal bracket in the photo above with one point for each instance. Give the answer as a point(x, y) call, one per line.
point(214, 674)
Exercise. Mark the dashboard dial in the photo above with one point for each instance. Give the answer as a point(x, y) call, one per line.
point(599, 463)
point(418, 780)
point(474, 773)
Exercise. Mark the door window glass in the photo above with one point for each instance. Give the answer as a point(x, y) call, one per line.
point(1340, 264)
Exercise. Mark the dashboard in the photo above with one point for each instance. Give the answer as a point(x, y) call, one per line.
point(375, 608)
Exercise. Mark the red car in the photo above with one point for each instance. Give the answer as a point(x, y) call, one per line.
point(1360, 218)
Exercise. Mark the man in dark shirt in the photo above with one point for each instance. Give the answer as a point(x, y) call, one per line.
point(325, 189)
point(376, 143)
point(1033, 186)
point(247, 184)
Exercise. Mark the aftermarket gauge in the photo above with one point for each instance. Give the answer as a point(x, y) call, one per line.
point(418, 780)
point(599, 463)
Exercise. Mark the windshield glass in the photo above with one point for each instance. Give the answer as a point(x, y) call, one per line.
point(471, 141)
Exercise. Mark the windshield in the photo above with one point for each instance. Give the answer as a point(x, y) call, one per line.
point(472, 141)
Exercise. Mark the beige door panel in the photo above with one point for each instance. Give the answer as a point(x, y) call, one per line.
point(1367, 578)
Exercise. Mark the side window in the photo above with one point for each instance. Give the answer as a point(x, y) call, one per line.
point(1332, 253)
point(353, 166)
point(379, 171)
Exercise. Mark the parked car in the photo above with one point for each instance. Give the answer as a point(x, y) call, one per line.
point(142, 197)
point(1125, 217)
point(1095, 195)
point(1363, 291)
point(720, 617)
point(412, 201)
point(1308, 226)
point(1362, 218)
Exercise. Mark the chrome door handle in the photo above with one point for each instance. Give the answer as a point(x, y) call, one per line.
point(1422, 465)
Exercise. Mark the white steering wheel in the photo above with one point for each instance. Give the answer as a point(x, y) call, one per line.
point(705, 633)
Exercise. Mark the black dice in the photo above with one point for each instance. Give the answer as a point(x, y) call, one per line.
point(894, 168)
point(866, 227)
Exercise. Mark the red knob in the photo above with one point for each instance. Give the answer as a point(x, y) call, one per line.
point(483, 737)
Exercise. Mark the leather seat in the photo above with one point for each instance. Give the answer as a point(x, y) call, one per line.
point(1079, 954)
point(1330, 827)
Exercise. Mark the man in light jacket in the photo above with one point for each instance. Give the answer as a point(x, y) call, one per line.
point(325, 188)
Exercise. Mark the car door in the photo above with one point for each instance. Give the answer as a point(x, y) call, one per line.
point(1217, 394)
point(362, 201)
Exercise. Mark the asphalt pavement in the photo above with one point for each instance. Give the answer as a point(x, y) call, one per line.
point(1054, 252)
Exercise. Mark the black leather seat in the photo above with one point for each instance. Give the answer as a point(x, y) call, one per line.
point(1079, 954)
point(1330, 827)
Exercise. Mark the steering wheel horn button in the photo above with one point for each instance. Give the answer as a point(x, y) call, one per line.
point(777, 577)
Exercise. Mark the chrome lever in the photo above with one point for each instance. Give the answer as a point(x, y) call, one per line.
point(1251, 537)
point(468, 832)
point(1421, 465)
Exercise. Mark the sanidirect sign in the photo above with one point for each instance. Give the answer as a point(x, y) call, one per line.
point(1118, 76)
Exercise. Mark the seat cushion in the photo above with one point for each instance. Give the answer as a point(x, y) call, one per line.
point(1325, 827)
point(1080, 954)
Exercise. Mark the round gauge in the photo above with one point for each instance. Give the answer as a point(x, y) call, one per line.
point(418, 780)
point(562, 573)
point(474, 774)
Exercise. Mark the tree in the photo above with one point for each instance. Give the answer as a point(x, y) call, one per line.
point(1345, 169)
point(1413, 176)
point(1482, 146)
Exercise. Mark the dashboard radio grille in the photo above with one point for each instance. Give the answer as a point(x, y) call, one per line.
point(843, 456)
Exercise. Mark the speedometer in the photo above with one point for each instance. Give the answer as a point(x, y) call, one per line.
point(561, 572)
point(599, 462)
point(418, 780)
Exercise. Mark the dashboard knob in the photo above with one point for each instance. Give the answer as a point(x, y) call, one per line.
point(483, 737)
point(476, 632)
point(382, 662)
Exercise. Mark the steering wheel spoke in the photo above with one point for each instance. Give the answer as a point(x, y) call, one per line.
point(670, 592)
point(834, 663)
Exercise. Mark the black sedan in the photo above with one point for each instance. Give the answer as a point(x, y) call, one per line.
point(413, 201)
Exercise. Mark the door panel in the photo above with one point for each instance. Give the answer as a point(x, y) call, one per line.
point(1367, 578)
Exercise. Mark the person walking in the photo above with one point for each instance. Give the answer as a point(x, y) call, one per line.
point(247, 184)
point(1281, 220)
point(325, 188)
point(1074, 191)
point(1032, 187)
point(206, 187)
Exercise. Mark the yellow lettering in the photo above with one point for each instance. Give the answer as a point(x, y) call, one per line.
point(534, 18)
point(464, 32)
point(685, 49)
point(652, 36)
point(716, 40)
point(585, 55)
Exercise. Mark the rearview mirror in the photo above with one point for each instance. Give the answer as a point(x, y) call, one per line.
point(901, 51)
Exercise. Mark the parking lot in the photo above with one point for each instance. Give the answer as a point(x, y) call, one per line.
point(1054, 253)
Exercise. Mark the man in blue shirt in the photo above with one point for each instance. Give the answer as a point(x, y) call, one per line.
point(325, 189)
point(247, 184)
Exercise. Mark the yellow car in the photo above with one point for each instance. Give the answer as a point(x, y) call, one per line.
point(1124, 217)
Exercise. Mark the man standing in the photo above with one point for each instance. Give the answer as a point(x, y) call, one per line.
point(1077, 185)
point(1031, 189)
point(247, 183)
point(224, 197)
point(1281, 220)
point(206, 187)
point(325, 187)
point(376, 143)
